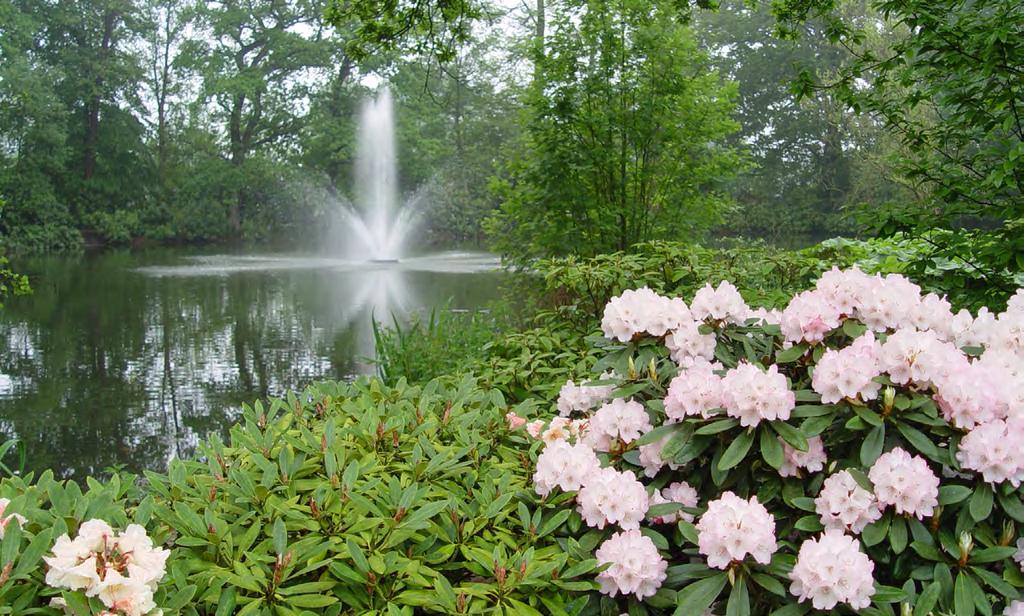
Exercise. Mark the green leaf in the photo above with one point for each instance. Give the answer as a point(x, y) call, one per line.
point(693, 599)
point(963, 602)
point(280, 536)
point(357, 556)
point(769, 583)
point(918, 440)
point(791, 354)
point(952, 494)
point(791, 435)
point(927, 600)
point(875, 532)
point(736, 451)
point(739, 599)
point(898, 534)
point(871, 448)
point(717, 426)
point(980, 505)
point(771, 449)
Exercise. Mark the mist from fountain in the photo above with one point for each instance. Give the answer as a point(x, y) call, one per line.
point(379, 226)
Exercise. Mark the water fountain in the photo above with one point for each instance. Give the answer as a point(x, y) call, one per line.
point(378, 227)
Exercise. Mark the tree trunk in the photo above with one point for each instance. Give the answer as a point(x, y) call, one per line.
point(92, 107)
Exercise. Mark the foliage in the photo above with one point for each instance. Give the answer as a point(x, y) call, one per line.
point(344, 499)
point(959, 560)
point(948, 88)
point(624, 138)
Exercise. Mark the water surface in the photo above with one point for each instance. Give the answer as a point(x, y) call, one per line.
point(132, 357)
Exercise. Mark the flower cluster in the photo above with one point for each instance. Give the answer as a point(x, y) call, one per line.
point(122, 570)
point(953, 391)
point(642, 311)
point(612, 497)
point(751, 394)
point(722, 304)
point(996, 450)
point(696, 391)
point(905, 482)
point(849, 372)
point(732, 528)
point(678, 492)
point(565, 466)
point(831, 570)
point(843, 504)
point(619, 420)
point(636, 567)
point(582, 397)
point(812, 460)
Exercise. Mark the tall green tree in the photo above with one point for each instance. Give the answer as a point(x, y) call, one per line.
point(626, 135)
point(257, 61)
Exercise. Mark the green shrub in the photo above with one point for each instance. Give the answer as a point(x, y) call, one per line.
point(345, 499)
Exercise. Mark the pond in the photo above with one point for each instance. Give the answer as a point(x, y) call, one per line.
point(130, 358)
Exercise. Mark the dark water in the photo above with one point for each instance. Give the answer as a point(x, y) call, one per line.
point(131, 358)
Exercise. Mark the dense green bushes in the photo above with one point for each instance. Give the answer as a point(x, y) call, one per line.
point(344, 499)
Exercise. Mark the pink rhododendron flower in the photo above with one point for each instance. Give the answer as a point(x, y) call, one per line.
point(565, 466)
point(972, 395)
point(642, 311)
point(582, 397)
point(1015, 608)
point(844, 288)
point(996, 450)
point(678, 492)
point(751, 394)
point(1019, 556)
point(812, 460)
point(831, 570)
point(933, 313)
point(809, 317)
point(911, 356)
point(514, 421)
point(905, 482)
point(695, 391)
point(844, 505)
point(636, 568)
point(559, 429)
point(651, 460)
point(732, 528)
point(849, 372)
point(612, 497)
point(534, 428)
point(686, 344)
point(723, 304)
point(619, 420)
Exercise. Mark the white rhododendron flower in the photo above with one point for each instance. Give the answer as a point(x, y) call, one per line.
point(843, 504)
point(1015, 608)
point(973, 395)
point(678, 492)
point(565, 466)
point(582, 397)
point(122, 570)
point(809, 317)
point(996, 450)
point(831, 570)
point(1019, 556)
point(636, 568)
point(751, 394)
point(812, 460)
point(921, 358)
point(849, 372)
point(651, 460)
point(695, 391)
point(905, 482)
point(642, 311)
point(609, 496)
point(722, 304)
point(686, 344)
point(10, 517)
point(619, 420)
point(732, 528)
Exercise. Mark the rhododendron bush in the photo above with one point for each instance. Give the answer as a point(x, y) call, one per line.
point(860, 450)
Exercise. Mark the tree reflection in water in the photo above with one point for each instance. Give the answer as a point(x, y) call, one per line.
point(132, 358)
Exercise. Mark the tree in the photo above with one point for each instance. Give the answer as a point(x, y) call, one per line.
point(255, 64)
point(950, 90)
point(625, 139)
